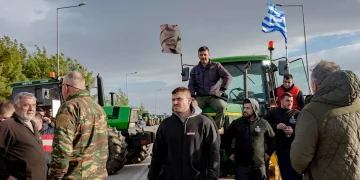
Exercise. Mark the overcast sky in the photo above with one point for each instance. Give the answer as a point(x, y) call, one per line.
point(115, 37)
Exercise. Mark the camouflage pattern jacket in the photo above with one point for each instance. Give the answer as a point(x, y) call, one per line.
point(80, 145)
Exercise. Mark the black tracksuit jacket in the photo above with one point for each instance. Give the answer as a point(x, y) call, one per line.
point(279, 115)
point(249, 144)
point(186, 150)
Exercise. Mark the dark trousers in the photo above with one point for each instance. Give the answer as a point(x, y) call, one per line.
point(250, 173)
point(286, 170)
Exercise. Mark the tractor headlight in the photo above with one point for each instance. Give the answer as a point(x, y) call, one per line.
point(266, 63)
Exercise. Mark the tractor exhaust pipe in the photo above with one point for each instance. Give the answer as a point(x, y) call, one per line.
point(100, 90)
point(246, 67)
point(112, 98)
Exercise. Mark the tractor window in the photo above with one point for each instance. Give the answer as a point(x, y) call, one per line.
point(254, 82)
point(297, 69)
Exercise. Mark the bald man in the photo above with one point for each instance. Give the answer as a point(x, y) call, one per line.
point(80, 145)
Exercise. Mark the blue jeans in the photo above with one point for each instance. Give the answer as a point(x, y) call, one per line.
point(286, 170)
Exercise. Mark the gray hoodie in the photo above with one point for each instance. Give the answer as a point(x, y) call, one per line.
point(255, 106)
point(195, 110)
point(252, 139)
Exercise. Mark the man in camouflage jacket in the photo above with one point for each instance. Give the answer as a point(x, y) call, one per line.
point(80, 145)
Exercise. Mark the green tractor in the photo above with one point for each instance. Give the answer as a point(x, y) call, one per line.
point(125, 146)
point(254, 77)
point(148, 118)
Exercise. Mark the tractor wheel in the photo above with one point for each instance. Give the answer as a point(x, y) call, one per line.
point(138, 154)
point(117, 151)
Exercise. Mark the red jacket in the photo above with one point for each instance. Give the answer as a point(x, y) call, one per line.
point(294, 91)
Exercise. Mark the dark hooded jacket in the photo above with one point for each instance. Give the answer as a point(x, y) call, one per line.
point(250, 138)
point(327, 140)
point(186, 149)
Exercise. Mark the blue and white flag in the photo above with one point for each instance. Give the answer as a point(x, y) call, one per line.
point(274, 21)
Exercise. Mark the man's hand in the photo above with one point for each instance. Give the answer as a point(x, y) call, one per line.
point(11, 178)
point(221, 131)
point(289, 130)
point(47, 120)
point(266, 157)
point(281, 126)
point(232, 158)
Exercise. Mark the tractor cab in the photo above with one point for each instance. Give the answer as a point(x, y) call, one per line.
point(256, 77)
point(47, 92)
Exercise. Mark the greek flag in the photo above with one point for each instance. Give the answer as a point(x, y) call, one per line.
point(274, 21)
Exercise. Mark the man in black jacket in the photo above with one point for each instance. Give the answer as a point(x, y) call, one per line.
point(283, 120)
point(187, 144)
point(250, 132)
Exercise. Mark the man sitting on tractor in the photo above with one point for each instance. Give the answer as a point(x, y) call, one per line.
point(208, 83)
point(289, 86)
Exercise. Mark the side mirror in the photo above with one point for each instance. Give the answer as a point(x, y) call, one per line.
point(284, 68)
point(185, 74)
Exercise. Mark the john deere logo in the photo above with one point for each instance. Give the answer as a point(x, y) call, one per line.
point(212, 67)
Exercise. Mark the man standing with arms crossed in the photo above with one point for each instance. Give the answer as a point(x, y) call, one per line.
point(205, 85)
point(80, 145)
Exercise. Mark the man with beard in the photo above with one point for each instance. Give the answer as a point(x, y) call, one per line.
point(187, 144)
point(283, 120)
point(21, 151)
point(250, 133)
point(289, 86)
point(208, 83)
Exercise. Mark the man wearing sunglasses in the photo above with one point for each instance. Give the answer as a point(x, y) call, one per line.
point(80, 145)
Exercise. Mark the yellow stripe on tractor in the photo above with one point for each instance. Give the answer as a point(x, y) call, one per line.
point(226, 114)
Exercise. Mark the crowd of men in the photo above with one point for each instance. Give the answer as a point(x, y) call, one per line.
point(36, 146)
point(313, 139)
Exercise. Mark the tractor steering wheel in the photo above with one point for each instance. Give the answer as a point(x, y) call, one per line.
point(236, 97)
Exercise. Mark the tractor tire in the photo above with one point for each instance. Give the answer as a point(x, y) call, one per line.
point(138, 155)
point(117, 151)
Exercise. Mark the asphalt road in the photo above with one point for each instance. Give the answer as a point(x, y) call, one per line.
point(132, 172)
point(135, 171)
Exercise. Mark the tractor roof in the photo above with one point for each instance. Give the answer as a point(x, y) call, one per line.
point(35, 83)
point(241, 58)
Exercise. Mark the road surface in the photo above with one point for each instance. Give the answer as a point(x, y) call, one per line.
point(135, 171)
point(132, 172)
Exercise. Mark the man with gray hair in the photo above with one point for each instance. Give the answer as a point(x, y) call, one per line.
point(326, 144)
point(80, 144)
point(21, 152)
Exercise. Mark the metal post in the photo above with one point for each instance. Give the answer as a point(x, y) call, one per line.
point(57, 33)
point(127, 96)
point(304, 29)
point(155, 99)
point(57, 40)
point(306, 54)
point(126, 85)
